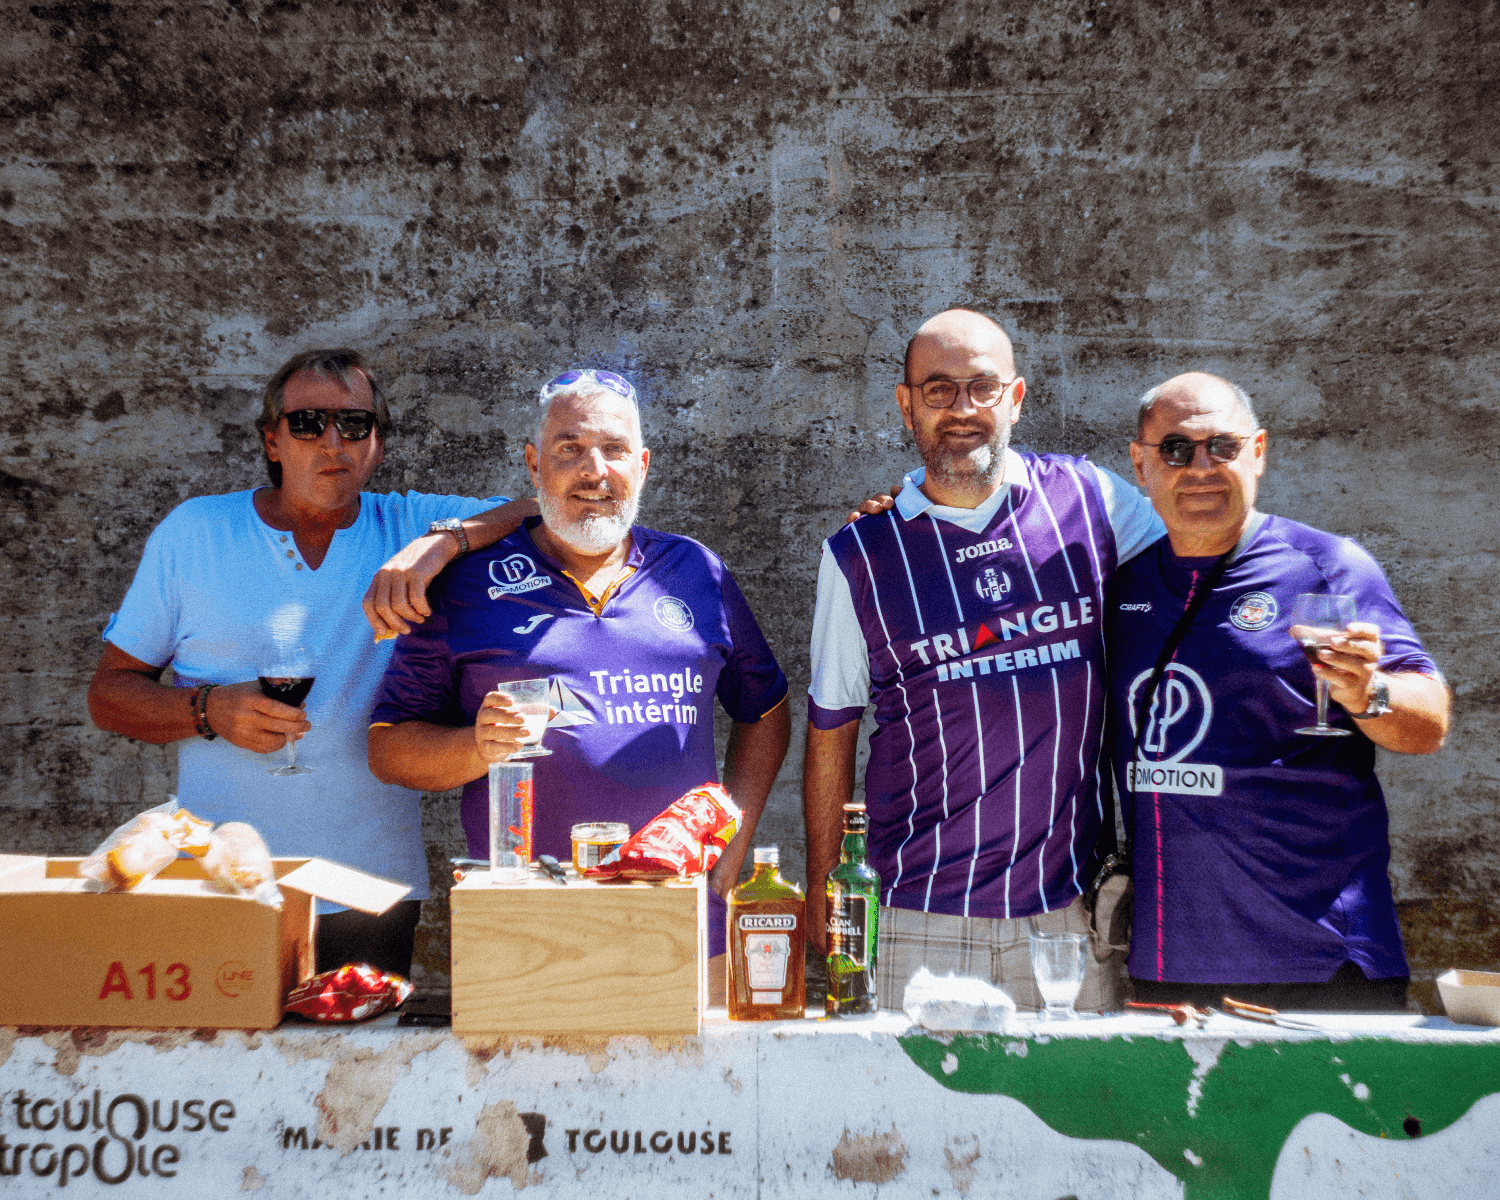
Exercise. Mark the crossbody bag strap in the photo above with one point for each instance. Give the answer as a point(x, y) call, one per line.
point(1120, 860)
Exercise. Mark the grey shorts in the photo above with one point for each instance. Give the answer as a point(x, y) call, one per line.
point(995, 949)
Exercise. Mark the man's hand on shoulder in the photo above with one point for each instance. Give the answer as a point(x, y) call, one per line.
point(875, 505)
point(240, 713)
point(397, 596)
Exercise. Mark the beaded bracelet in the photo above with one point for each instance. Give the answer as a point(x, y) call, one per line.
point(200, 712)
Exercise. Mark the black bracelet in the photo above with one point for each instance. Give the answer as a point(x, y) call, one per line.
point(200, 712)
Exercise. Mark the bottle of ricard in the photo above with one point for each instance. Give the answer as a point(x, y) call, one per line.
point(767, 941)
point(853, 920)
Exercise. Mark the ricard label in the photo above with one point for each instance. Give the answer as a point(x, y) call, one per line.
point(768, 921)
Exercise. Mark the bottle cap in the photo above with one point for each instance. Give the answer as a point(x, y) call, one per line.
point(855, 818)
point(768, 854)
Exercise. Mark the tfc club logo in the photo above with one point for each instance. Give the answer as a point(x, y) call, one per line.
point(1253, 611)
point(673, 614)
point(992, 584)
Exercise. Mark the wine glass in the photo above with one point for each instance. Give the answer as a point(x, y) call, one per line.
point(532, 700)
point(286, 674)
point(1057, 962)
point(1317, 619)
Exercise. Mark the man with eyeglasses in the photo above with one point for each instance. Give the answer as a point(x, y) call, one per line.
point(1259, 849)
point(971, 613)
point(223, 577)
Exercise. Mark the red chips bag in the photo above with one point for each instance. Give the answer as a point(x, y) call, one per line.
point(684, 840)
point(350, 993)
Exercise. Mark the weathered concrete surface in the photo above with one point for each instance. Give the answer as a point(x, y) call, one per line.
point(747, 207)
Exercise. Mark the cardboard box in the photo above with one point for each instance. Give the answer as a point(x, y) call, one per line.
point(586, 959)
point(173, 954)
point(1471, 997)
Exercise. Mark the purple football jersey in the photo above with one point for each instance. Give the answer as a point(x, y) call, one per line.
point(1259, 854)
point(635, 684)
point(986, 656)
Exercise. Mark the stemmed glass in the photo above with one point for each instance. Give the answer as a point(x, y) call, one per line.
point(1057, 962)
point(1317, 619)
point(286, 674)
point(532, 700)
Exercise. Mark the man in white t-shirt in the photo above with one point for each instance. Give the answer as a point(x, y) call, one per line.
point(223, 576)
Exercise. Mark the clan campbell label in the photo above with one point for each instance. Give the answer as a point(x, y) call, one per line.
point(846, 928)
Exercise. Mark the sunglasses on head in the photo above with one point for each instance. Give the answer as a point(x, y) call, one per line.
point(1178, 451)
point(307, 424)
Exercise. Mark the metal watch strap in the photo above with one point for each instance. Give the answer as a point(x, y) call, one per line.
point(1379, 703)
point(454, 526)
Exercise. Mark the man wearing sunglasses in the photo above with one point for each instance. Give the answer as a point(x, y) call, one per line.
point(224, 576)
point(971, 613)
point(1259, 849)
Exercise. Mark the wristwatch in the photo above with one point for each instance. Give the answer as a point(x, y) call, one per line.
point(1380, 700)
point(454, 526)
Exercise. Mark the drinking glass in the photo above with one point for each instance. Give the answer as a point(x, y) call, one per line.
point(511, 822)
point(1317, 619)
point(1057, 961)
point(286, 674)
point(532, 700)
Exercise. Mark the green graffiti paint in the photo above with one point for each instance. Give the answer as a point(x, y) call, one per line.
point(1140, 1090)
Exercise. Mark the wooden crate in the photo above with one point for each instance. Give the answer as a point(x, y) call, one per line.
point(585, 959)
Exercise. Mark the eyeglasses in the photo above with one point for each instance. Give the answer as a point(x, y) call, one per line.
point(984, 391)
point(569, 381)
point(1178, 451)
point(307, 424)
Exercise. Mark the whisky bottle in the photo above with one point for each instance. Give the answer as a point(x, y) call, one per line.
point(853, 919)
point(767, 942)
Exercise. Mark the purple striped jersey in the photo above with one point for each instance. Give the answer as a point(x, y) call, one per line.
point(985, 662)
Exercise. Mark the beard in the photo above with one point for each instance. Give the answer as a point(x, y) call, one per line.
point(593, 533)
point(981, 465)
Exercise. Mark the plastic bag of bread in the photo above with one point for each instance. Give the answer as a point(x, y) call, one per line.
point(349, 993)
point(239, 863)
point(143, 847)
point(685, 839)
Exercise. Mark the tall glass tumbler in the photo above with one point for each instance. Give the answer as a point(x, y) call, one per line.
point(510, 822)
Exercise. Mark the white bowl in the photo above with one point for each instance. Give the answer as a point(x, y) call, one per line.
point(1471, 997)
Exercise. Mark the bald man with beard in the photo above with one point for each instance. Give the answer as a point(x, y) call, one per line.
point(971, 614)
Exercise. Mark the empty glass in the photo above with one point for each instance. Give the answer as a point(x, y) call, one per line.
point(1057, 961)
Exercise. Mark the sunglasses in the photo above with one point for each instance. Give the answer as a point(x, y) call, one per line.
point(307, 424)
point(570, 380)
point(1178, 451)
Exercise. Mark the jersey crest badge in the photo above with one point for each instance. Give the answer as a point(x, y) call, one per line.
point(992, 584)
point(1253, 611)
point(515, 574)
point(673, 613)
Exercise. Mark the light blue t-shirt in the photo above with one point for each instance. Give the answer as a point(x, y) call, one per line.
point(212, 582)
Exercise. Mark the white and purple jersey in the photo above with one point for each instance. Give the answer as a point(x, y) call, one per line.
point(1259, 854)
point(635, 682)
point(979, 634)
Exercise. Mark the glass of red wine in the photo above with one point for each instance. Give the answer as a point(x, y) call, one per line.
point(1317, 620)
point(286, 674)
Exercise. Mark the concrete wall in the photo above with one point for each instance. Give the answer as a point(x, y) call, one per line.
point(748, 206)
